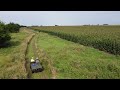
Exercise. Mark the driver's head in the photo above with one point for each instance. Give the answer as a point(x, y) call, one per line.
point(37, 58)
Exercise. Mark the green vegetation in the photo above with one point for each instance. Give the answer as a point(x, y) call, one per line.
point(13, 28)
point(4, 35)
point(13, 58)
point(75, 61)
point(4, 32)
point(105, 38)
point(34, 51)
point(61, 59)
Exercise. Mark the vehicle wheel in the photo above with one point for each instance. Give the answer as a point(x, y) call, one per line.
point(32, 71)
point(39, 70)
point(42, 68)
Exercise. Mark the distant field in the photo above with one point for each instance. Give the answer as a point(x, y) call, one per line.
point(105, 38)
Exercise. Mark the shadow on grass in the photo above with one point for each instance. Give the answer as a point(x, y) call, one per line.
point(10, 44)
point(14, 43)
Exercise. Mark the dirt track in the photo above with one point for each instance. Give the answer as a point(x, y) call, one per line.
point(27, 63)
point(41, 55)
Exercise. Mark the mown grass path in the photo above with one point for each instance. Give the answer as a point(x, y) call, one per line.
point(34, 51)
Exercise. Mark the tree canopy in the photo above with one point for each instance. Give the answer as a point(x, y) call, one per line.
point(4, 35)
point(5, 30)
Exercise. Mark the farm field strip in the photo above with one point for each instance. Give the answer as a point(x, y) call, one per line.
point(105, 38)
point(34, 51)
point(74, 61)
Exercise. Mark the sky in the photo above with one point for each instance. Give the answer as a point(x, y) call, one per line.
point(49, 18)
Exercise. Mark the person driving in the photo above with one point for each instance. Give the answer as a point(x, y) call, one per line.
point(37, 60)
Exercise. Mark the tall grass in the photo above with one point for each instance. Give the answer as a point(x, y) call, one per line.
point(12, 59)
point(74, 61)
point(105, 38)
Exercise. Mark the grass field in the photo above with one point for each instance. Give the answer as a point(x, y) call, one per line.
point(12, 58)
point(15, 59)
point(61, 55)
point(72, 60)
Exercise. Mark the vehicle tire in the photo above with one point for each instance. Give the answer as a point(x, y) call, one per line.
point(32, 71)
point(37, 70)
point(40, 69)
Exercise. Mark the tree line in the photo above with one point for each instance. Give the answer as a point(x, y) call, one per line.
point(5, 30)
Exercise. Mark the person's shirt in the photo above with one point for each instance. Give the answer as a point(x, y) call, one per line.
point(32, 60)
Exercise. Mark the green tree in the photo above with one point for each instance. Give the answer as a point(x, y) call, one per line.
point(4, 35)
point(13, 28)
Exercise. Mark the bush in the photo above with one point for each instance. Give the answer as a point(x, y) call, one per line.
point(4, 35)
point(13, 28)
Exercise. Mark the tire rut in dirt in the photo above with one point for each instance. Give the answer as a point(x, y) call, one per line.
point(27, 63)
point(29, 73)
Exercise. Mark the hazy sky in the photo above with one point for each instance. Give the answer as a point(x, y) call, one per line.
point(60, 17)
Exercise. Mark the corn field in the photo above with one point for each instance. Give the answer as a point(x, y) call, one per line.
point(105, 38)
